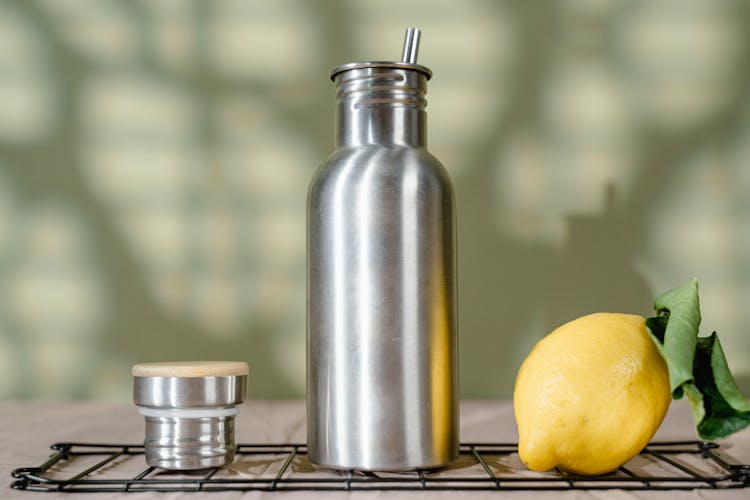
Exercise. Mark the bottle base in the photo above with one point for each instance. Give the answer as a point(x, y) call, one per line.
point(360, 466)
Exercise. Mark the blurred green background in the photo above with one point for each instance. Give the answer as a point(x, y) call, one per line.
point(155, 157)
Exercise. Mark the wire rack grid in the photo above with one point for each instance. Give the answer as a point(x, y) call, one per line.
point(98, 467)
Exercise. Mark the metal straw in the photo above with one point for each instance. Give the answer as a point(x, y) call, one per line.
point(411, 45)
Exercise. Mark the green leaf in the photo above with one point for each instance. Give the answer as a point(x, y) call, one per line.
point(726, 411)
point(681, 308)
point(697, 366)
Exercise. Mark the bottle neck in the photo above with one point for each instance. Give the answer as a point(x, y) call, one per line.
point(381, 106)
point(379, 125)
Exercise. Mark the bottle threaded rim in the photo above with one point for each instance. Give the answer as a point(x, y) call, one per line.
point(381, 64)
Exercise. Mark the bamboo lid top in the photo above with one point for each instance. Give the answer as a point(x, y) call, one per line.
point(191, 369)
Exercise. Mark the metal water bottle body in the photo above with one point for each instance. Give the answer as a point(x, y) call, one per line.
point(381, 360)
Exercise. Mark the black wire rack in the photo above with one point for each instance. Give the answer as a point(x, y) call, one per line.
point(97, 467)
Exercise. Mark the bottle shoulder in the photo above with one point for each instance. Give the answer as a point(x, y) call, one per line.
point(381, 161)
point(386, 171)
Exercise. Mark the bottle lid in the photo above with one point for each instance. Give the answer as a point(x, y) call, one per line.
point(408, 59)
point(189, 409)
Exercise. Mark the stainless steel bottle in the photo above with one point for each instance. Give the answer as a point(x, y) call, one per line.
point(381, 301)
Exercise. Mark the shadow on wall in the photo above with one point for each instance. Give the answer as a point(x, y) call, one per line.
point(514, 289)
point(537, 290)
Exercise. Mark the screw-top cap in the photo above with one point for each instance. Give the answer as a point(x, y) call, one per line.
point(189, 409)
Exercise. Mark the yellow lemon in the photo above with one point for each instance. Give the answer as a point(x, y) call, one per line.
point(590, 395)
